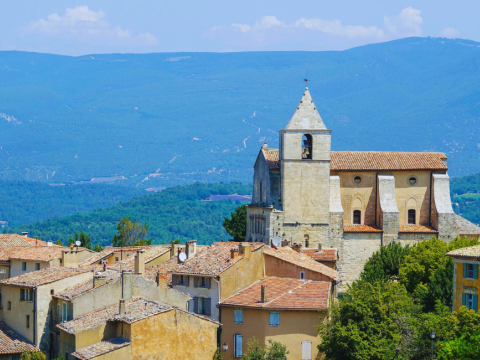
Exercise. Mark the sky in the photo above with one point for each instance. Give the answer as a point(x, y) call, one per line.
point(144, 26)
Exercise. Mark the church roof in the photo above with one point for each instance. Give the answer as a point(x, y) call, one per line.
point(306, 116)
point(375, 160)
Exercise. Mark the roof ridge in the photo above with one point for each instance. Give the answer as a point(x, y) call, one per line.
point(285, 293)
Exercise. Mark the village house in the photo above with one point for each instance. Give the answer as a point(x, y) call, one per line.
point(466, 284)
point(327, 257)
point(277, 309)
point(12, 345)
point(26, 300)
point(139, 329)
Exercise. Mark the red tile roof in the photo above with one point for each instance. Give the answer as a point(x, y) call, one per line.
point(100, 348)
point(40, 253)
point(283, 294)
point(14, 240)
point(417, 229)
point(212, 260)
point(375, 160)
point(12, 343)
point(321, 255)
point(468, 252)
point(361, 229)
point(304, 261)
point(42, 277)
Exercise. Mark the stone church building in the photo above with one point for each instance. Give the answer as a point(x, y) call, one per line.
point(353, 201)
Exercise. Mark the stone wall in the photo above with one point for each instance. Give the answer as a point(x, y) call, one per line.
point(443, 217)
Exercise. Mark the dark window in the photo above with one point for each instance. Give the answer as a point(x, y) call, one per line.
point(28, 321)
point(470, 271)
point(307, 147)
point(37, 266)
point(412, 181)
point(357, 179)
point(24, 266)
point(307, 238)
point(9, 305)
point(411, 217)
point(357, 217)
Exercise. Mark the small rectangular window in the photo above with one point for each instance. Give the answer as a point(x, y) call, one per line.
point(15, 358)
point(24, 266)
point(470, 271)
point(116, 259)
point(181, 280)
point(238, 316)
point(22, 294)
point(64, 312)
point(9, 305)
point(274, 318)
point(238, 345)
point(203, 282)
point(357, 217)
point(412, 217)
point(37, 266)
point(302, 275)
point(28, 321)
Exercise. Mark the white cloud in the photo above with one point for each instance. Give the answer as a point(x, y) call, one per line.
point(336, 28)
point(407, 23)
point(241, 27)
point(85, 25)
point(449, 32)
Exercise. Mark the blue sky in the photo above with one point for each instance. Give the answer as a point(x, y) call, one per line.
point(86, 27)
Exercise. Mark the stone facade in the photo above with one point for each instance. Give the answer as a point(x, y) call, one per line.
point(352, 201)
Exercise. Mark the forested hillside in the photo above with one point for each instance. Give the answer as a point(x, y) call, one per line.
point(23, 202)
point(466, 197)
point(204, 116)
point(175, 213)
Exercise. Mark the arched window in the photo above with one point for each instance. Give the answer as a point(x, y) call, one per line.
point(357, 217)
point(411, 217)
point(307, 147)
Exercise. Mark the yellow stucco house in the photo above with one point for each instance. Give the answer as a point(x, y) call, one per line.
point(139, 329)
point(281, 309)
point(466, 284)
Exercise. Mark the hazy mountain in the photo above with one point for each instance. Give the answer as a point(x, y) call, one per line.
point(203, 116)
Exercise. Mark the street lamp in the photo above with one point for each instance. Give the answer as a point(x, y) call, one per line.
point(432, 336)
point(225, 346)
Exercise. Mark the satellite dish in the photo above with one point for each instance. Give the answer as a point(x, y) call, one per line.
point(182, 256)
point(276, 241)
point(78, 243)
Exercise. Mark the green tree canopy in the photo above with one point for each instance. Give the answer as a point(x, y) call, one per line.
point(236, 225)
point(85, 240)
point(272, 351)
point(131, 233)
point(33, 355)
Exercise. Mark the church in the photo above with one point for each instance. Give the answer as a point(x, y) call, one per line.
point(353, 201)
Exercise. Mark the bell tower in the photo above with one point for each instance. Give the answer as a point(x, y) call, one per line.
point(304, 156)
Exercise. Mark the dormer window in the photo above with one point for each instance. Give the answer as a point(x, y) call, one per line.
point(307, 147)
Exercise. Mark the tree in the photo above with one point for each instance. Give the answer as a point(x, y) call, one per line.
point(98, 247)
point(254, 350)
point(276, 351)
point(32, 355)
point(85, 240)
point(461, 348)
point(372, 321)
point(236, 225)
point(218, 354)
point(59, 242)
point(131, 233)
point(385, 263)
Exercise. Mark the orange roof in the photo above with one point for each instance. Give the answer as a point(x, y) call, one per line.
point(375, 160)
point(304, 261)
point(14, 240)
point(417, 229)
point(41, 277)
point(100, 348)
point(40, 253)
point(361, 228)
point(13, 343)
point(283, 294)
point(321, 255)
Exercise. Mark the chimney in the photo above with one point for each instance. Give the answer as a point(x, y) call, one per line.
point(172, 249)
point(49, 243)
point(140, 263)
point(99, 280)
point(191, 248)
point(319, 247)
point(297, 247)
point(25, 233)
point(121, 307)
point(69, 259)
point(245, 249)
point(264, 293)
point(162, 281)
point(127, 284)
point(234, 253)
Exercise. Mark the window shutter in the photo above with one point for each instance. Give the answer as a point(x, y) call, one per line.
point(191, 305)
point(238, 346)
point(475, 297)
point(277, 317)
point(208, 306)
point(195, 281)
point(464, 299)
point(187, 278)
point(240, 316)
point(209, 282)
point(464, 270)
point(306, 350)
point(195, 305)
point(475, 271)
point(174, 279)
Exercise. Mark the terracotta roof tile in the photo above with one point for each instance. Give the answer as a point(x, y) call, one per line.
point(41, 253)
point(42, 277)
point(14, 240)
point(100, 348)
point(465, 227)
point(87, 286)
point(417, 229)
point(283, 294)
point(289, 255)
point(13, 343)
point(361, 228)
point(212, 260)
point(321, 255)
point(468, 252)
point(375, 160)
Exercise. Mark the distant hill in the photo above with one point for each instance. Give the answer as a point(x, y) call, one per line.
point(23, 202)
point(174, 213)
point(466, 197)
point(203, 116)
